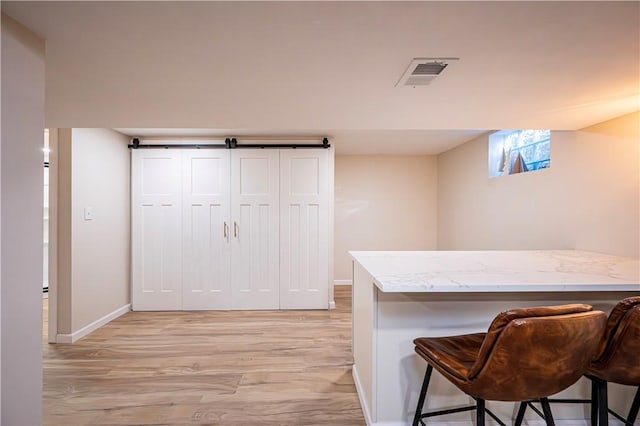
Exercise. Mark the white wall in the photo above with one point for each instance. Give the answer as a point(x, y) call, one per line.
point(97, 257)
point(589, 199)
point(62, 168)
point(383, 203)
point(22, 203)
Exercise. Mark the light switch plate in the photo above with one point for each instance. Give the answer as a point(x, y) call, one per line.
point(88, 213)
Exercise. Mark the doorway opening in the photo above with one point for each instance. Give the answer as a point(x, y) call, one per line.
point(45, 254)
point(49, 236)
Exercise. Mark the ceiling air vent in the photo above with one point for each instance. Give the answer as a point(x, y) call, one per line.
point(422, 71)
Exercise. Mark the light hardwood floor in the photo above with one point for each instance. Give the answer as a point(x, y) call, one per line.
point(196, 368)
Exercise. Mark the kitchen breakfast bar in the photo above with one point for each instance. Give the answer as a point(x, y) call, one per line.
point(398, 296)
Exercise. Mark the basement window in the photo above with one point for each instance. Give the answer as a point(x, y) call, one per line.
point(519, 151)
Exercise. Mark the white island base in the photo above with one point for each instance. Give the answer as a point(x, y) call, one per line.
point(398, 296)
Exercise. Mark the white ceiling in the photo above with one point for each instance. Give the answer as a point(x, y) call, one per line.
point(329, 68)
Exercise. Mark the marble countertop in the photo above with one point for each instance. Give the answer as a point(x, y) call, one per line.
point(499, 271)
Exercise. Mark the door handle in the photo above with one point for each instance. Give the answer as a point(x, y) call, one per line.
point(225, 232)
point(235, 229)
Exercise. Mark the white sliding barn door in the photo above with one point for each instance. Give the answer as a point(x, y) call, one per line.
point(206, 239)
point(156, 230)
point(304, 229)
point(254, 231)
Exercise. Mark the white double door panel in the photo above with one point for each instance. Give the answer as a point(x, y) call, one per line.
point(255, 229)
point(230, 229)
point(304, 229)
point(206, 205)
point(156, 230)
point(220, 229)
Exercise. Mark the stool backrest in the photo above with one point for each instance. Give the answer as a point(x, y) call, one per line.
point(619, 360)
point(504, 318)
point(615, 318)
point(536, 352)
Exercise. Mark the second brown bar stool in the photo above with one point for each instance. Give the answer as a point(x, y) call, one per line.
point(619, 362)
point(527, 354)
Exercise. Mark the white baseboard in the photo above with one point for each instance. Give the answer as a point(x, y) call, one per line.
point(74, 337)
point(332, 303)
point(360, 392)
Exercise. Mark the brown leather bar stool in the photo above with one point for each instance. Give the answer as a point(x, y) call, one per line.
point(527, 354)
point(619, 361)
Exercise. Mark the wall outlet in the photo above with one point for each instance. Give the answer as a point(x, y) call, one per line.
point(88, 213)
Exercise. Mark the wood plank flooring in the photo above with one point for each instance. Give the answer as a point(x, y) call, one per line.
point(213, 368)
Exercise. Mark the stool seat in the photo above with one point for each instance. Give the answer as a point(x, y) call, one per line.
point(456, 355)
point(526, 354)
